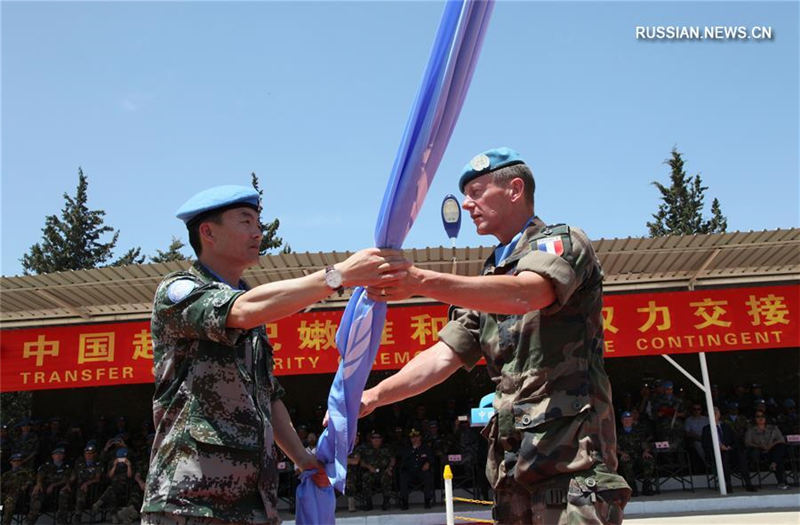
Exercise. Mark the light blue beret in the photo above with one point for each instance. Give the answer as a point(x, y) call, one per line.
point(487, 162)
point(215, 198)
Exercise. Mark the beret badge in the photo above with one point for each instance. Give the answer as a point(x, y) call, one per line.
point(480, 162)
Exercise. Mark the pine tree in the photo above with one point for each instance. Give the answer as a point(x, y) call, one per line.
point(173, 253)
point(681, 212)
point(132, 256)
point(73, 241)
point(270, 240)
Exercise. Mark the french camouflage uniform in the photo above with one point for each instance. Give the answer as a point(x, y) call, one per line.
point(14, 484)
point(553, 435)
point(382, 459)
point(84, 472)
point(213, 450)
point(632, 444)
point(49, 474)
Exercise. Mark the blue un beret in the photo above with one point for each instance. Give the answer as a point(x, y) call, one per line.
point(17, 456)
point(627, 414)
point(122, 452)
point(487, 162)
point(216, 198)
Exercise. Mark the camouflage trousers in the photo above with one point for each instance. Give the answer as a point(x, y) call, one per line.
point(637, 467)
point(115, 495)
point(369, 480)
point(81, 497)
point(62, 495)
point(592, 497)
point(353, 486)
point(9, 504)
point(160, 518)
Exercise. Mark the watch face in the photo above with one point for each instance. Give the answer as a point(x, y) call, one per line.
point(333, 278)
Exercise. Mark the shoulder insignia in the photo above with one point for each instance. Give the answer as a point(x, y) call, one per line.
point(178, 290)
point(554, 245)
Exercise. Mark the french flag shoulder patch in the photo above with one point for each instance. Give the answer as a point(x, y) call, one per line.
point(552, 245)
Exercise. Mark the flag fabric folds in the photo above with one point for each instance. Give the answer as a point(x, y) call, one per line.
point(427, 132)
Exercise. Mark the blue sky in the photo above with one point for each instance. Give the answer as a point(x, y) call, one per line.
point(158, 100)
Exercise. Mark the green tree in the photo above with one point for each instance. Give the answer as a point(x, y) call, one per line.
point(73, 241)
point(270, 240)
point(132, 256)
point(681, 210)
point(173, 253)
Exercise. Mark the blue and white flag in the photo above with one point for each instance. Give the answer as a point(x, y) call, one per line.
point(428, 130)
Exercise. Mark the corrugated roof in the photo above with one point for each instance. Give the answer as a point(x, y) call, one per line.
point(630, 264)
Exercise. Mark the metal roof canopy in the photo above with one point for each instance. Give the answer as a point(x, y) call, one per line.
point(632, 264)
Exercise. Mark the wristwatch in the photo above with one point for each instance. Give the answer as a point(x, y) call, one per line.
point(333, 278)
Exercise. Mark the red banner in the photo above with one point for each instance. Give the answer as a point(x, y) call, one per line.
point(635, 325)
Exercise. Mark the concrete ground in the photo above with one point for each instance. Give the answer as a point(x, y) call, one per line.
point(768, 506)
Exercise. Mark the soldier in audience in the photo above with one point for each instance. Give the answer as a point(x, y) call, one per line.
point(86, 475)
point(51, 480)
point(736, 421)
point(416, 463)
point(14, 485)
point(353, 487)
point(120, 476)
point(634, 451)
point(377, 463)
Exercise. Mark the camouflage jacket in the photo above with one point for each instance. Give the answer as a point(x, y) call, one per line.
point(213, 450)
point(14, 481)
point(634, 442)
point(552, 389)
point(49, 473)
point(381, 458)
point(84, 472)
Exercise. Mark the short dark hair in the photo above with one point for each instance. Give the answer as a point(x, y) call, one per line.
point(504, 175)
point(214, 216)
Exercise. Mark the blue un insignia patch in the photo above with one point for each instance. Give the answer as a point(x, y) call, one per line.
point(178, 290)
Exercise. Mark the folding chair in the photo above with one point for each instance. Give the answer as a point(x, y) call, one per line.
point(672, 462)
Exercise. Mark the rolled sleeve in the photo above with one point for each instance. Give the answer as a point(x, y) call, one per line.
point(462, 335)
point(555, 269)
point(566, 272)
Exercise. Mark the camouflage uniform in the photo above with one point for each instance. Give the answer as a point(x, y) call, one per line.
point(117, 491)
point(14, 484)
point(353, 487)
point(83, 473)
point(130, 513)
point(382, 459)
point(553, 434)
point(213, 450)
point(49, 474)
point(633, 444)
